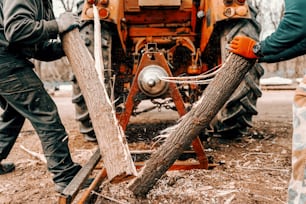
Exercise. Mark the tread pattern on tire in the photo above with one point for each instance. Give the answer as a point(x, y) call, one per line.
point(236, 115)
point(81, 111)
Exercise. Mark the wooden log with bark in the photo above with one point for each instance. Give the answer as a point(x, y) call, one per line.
point(214, 97)
point(112, 143)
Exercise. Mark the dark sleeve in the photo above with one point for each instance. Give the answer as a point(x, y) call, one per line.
point(23, 23)
point(291, 30)
point(51, 51)
point(296, 50)
point(46, 51)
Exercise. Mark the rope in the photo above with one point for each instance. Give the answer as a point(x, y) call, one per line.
point(204, 78)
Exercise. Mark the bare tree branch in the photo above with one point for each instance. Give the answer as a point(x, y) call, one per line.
point(68, 6)
point(64, 5)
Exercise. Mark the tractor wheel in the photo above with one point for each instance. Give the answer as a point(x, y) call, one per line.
point(87, 34)
point(236, 115)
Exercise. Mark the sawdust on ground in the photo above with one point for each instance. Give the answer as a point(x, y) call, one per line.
point(252, 169)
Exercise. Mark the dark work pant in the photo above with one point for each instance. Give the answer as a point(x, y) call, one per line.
point(22, 96)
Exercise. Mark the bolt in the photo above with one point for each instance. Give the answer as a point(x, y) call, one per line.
point(151, 83)
point(201, 14)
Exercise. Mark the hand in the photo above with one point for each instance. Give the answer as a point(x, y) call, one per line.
point(243, 46)
point(67, 22)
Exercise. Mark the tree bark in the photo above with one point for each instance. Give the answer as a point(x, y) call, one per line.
point(112, 143)
point(214, 97)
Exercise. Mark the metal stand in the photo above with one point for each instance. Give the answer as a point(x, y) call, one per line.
point(73, 188)
point(160, 60)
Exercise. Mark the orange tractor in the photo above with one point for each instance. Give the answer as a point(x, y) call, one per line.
point(167, 51)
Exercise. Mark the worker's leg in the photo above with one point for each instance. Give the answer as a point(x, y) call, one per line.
point(11, 123)
point(297, 185)
point(25, 93)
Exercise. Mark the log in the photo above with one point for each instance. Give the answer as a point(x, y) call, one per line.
point(188, 128)
point(111, 140)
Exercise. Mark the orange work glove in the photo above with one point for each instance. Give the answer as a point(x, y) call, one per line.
point(243, 46)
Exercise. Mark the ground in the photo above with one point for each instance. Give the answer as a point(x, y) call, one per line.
point(251, 169)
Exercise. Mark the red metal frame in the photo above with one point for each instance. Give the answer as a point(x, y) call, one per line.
point(124, 117)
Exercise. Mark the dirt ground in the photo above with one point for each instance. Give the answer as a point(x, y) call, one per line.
point(252, 169)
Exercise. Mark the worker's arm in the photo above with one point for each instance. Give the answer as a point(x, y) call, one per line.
point(30, 28)
point(288, 41)
point(30, 22)
point(25, 23)
point(296, 50)
point(291, 30)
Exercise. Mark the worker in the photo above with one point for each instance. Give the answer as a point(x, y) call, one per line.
point(28, 29)
point(288, 41)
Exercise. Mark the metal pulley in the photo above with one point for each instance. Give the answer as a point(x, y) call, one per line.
point(149, 81)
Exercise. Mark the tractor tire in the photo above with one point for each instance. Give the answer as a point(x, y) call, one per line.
point(81, 111)
point(234, 119)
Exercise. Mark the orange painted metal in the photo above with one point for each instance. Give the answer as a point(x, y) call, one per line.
point(214, 13)
point(134, 6)
point(95, 184)
point(124, 117)
point(193, 17)
point(158, 16)
point(160, 32)
point(181, 165)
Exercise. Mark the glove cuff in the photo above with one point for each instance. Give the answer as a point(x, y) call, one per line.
point(52, 28)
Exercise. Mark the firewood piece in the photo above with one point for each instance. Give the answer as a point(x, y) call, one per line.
point(112, 142)
point(214, 97)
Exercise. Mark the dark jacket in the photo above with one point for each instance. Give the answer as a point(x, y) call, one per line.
point(289, 39)
point(28, 29)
